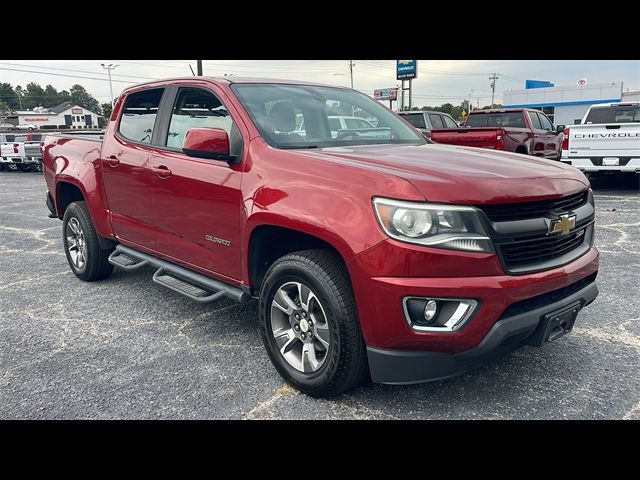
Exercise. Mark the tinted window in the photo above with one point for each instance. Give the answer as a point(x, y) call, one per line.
point(546, 124)
point(506, 119)
point(436, 121)
point(357, 123)
point(195, 108)
point(626, 114)
point(535, 121)
point(416, 119)
point(449, 122)
point(139, 115)
point(334, 124)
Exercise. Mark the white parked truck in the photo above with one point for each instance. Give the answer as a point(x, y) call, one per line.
point(607, 140)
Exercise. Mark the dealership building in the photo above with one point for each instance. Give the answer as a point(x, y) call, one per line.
point(66, 115)
point(566, 105)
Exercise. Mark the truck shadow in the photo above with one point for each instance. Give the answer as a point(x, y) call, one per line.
point(623, 182)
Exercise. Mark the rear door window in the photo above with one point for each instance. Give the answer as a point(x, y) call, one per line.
point(546, 124)
point(139, 115)
point(535, 121)
point(416, 119)
point(449, 122)
point(436, 121)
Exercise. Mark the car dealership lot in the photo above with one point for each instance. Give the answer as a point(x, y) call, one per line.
point(127, 348)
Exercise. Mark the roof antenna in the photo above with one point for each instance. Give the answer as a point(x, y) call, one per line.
point(192, 72)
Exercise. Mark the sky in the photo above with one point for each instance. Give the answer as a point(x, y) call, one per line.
point(438, 82)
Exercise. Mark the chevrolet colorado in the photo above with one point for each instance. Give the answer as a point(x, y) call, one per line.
point(519, 130)
point(380, 255)
point(607, 140)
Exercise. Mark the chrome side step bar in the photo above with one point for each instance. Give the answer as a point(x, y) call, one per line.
point(193, 285)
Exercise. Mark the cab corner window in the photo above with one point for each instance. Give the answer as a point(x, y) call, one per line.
point(139, 115)
point(195, 108)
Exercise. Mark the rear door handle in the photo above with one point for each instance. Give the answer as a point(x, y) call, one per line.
point(112, 161)
point(161, 171)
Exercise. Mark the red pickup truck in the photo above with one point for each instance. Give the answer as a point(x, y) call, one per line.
point(377, 254)
point(519, 130)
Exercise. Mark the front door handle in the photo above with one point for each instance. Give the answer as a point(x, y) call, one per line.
point(161, 171)
point(112, 161)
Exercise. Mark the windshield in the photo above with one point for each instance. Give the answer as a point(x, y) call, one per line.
point(304, 116)
point(507, 119)
point(626, 114)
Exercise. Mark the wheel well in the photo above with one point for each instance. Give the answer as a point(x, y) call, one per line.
point(268, 243)
point(67, 193)
point(521, 149)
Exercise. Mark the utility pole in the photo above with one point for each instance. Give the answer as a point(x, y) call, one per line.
point(493, 79)
point(108, 68)
point(351, 64)
point(470, 102)
point(199, 67)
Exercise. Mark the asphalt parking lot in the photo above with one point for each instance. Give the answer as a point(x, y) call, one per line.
point(127, 348)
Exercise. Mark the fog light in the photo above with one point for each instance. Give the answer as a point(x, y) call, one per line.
point(438, 314)
point(430, 310)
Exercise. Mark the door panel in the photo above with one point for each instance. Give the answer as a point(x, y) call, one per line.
point(125, 169)
point(538, 143)
point(551, 137)
point(197, 202)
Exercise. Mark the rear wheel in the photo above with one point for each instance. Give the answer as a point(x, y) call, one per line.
point(23, 167)
point(309, 323)
point(87, 259)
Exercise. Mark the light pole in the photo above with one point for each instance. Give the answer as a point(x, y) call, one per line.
point(108, 68)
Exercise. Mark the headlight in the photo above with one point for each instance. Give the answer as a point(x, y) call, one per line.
point(442, 226)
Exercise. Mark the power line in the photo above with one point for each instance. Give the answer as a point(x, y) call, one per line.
point(77, 71)
point(64, 75)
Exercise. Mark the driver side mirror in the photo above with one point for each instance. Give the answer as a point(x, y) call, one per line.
point(209, 143)
point(560, 128)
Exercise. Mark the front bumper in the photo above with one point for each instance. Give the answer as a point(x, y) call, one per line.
point(404, 367)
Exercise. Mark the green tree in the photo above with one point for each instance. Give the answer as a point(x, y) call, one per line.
point(83, 98)
point(9, 96)
point(106, 109)
point(34, 96)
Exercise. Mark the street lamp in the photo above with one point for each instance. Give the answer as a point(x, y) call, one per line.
point(108, 68)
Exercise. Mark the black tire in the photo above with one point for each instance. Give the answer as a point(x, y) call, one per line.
point(23, 167)
point(345, 366)
point(96, 265)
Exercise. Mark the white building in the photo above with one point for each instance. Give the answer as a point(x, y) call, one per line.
point(66, 115)
point(564, 105)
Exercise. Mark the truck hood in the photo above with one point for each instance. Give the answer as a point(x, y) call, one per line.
point(456, 174)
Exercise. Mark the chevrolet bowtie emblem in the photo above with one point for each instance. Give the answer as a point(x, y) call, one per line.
point(563, 224)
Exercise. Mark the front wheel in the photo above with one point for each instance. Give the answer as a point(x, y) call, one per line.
point(309, 323)
point(87, 259)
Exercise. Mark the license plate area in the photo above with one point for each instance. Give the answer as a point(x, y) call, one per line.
point(610, 161)
point(555, 325)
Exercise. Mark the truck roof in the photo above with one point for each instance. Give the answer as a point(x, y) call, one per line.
point(617, 104)
point(232, 80)
point(501, 110)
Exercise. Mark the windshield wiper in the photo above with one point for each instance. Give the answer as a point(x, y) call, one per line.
point(291, 147)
